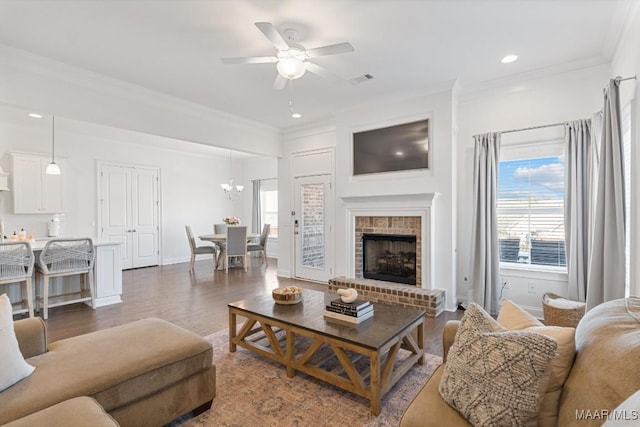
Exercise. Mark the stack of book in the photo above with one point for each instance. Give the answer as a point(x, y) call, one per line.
point(353, 312)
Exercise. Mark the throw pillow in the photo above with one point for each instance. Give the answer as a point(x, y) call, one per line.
point(496, 377)
point(513, 317)
point(14, 368)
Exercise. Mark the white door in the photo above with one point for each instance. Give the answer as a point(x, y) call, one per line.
point(313, 223)
point(129, 213)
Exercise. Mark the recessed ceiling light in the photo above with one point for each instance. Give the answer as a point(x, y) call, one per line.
point(399, 153)
point(35, 116)
point(296, 115)
point(509, 58)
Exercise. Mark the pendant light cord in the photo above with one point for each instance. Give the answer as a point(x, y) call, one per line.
point(53, 138)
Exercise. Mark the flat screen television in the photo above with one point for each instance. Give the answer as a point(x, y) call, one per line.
point(394, 148)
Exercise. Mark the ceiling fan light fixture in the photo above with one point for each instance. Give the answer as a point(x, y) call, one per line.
point(291, 68)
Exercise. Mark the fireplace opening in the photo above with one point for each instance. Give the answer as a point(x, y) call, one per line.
point(389, 257)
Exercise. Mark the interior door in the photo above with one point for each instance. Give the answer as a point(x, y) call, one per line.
point(115, 200)
point(144, 217)
point(130, 213)
point(313, 224)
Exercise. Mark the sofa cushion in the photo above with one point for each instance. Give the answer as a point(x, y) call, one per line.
point(494, 376)
point(605, 371)
point(80, 412)
point(14, 367)
point(513, 317)
point(116, 366)
point(428, 409)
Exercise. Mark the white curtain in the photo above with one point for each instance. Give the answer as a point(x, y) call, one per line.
point(580, 170)
point(606, 279)
point(256, 210)
point(485, 257)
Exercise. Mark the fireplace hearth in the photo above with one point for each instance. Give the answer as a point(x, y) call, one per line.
point(389, 257)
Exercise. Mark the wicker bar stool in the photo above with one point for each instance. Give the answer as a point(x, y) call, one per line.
point(16, 266)
point(66, 257)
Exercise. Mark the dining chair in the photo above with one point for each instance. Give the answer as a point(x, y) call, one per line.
point(261, 246)
point(66, 257)
point(16, 266)
point(201, 250)
point(236, 245)
point(219, 228)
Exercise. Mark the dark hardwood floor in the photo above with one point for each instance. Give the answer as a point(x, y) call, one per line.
point(194, 300)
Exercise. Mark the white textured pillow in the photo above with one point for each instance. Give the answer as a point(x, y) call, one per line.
point(13, 368)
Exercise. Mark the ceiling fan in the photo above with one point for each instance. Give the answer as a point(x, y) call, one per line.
point(292, 59)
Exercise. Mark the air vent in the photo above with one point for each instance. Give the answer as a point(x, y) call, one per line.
point(360, 79)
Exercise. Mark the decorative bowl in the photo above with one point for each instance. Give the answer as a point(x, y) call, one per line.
point(289, 295)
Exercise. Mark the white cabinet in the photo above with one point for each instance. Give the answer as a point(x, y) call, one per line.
point(108, 271)
point(33, 190)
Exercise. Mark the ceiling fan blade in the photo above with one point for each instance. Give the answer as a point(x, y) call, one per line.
point(321, 71)
point(250, 60)
point(272, 34)
point(332, 49)
point(279, 83)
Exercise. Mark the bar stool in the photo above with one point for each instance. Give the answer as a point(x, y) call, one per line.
point(16, 266)
point(66, 257)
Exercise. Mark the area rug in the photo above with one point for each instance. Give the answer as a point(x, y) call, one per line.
point(254, 391)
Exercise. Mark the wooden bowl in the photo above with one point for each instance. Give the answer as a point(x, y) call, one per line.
point(288, 295)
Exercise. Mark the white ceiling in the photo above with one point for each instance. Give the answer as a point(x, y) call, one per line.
point(410, 47)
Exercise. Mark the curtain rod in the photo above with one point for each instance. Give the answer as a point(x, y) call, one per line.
point(618, 79)
point(533, 127)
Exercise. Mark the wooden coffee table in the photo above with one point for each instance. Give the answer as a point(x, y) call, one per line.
point(336, 352)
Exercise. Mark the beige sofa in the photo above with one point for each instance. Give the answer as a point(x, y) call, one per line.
point(145, 373)
point(604, 373)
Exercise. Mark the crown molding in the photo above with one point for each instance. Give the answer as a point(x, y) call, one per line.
point(29, 62)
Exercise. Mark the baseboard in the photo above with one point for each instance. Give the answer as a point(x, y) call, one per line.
point(101, 302)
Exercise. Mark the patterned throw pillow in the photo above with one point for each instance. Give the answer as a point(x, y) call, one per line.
point(496, 377)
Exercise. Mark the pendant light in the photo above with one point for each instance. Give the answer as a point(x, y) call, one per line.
point(53, 168)
point(228, 187)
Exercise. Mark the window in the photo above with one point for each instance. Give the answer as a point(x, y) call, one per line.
point(269, 205)
point(531, 204)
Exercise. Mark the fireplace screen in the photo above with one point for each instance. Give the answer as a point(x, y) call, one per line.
point(389, 257)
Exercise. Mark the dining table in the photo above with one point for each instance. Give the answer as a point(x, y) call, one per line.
point(222, 238)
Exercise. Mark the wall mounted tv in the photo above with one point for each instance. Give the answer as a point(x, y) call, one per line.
point(394, 148)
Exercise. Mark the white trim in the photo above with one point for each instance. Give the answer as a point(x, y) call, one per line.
point(396, 205)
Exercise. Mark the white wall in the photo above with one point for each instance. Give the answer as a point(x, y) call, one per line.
point(626, 63)
point(554, 99)
point(190, 179)
point(438, 179)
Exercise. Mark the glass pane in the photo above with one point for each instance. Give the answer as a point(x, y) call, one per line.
point(312, 227)
point(531, 211)
point(269, 200)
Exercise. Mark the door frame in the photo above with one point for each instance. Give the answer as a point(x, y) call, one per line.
point(330, 227)
point(99, 165)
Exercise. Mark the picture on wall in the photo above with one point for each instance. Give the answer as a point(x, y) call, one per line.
point(394, 148)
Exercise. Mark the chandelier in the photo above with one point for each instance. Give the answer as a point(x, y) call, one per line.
point(228, 187)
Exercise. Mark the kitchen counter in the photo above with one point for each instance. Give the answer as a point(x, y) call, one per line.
point(107, 273)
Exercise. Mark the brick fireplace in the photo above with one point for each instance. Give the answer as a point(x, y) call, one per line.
point(388, 225)
point(409, 214)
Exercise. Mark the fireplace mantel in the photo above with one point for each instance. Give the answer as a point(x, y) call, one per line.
point(419, 205)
